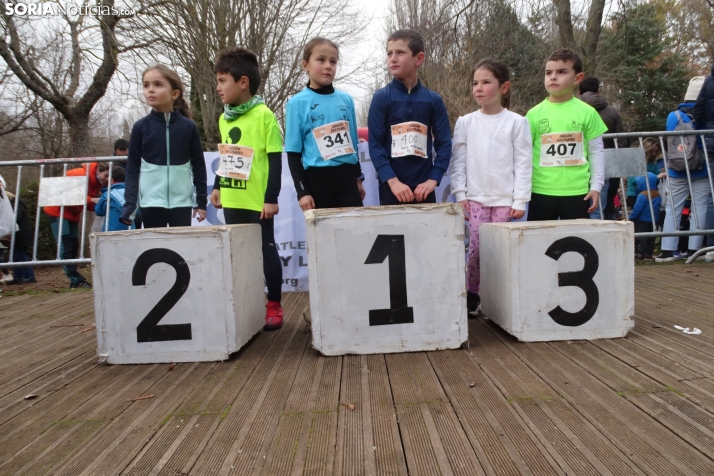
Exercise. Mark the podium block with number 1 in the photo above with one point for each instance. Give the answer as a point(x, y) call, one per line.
point(387, 279)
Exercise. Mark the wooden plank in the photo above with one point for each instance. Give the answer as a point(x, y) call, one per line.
point(612, 373)
point(575, 444)
point(221, 446)
point(628, 428)
point(315, 451)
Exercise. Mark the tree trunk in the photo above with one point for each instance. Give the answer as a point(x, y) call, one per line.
point(564, 21)
point(592, 35)
point(79, 136)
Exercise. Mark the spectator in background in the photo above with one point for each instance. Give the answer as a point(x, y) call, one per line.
point(642, 213)
point(703, 112)
point(680, 190)
point(69, 241)
point(121, 149)
point(116, 202)
point(5, 276)
point(590, 94)
point(24, 235)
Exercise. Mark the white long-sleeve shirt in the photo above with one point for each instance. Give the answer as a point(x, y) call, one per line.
point(492, 159)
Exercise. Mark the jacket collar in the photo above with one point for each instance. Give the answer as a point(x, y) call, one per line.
point(400, 86)
point(159, 116)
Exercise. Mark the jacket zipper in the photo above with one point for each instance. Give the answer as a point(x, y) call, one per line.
point(167, 116)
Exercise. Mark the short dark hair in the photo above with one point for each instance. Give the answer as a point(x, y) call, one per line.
point(239, 62)
point(118, 174)
point(590, 84)
point(121, 144)
point(414, 40)
point(565, 55)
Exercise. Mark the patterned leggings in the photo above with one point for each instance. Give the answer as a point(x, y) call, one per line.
point(480, 214)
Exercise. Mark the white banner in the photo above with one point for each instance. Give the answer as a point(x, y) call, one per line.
point(290, 223)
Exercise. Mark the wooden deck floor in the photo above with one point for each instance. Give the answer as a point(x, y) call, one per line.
point(639, 405)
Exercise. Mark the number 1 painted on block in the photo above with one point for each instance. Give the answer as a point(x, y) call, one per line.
point(392, 247)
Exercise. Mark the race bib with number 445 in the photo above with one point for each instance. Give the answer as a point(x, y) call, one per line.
point(562, 149)
point(409, 138)
point(235, 161)
point(334, 140)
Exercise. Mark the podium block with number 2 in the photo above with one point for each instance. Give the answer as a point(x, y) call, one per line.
point(177, 294)
point(559, 280)
point(387, 279)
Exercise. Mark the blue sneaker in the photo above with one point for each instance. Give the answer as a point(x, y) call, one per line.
point(680, 255)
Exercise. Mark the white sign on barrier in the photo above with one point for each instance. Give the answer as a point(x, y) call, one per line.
point(58, 191)
point(388, 279)
point(177, 294)
point(559, 280)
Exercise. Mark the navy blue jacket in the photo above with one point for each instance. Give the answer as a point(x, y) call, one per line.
point(703, 111)
point(393, 104)
point(165, 167)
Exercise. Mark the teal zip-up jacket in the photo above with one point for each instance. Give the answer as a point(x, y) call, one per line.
point(165, 167)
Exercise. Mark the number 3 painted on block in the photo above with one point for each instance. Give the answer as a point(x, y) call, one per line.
point(582, 279)
point(149, 329)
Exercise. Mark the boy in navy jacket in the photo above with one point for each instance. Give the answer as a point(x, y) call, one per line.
point(403, 118)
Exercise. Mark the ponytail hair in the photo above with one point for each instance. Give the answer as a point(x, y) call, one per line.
point(174, 80)
point(499, 69)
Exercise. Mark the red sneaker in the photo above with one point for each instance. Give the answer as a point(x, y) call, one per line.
point(273, 315)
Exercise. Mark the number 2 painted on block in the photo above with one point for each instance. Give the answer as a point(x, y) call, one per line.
point(392, 247)
point(582, 279)
point(149, 329)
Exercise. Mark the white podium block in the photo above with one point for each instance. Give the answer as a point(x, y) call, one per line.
point(177, 294)
point(559, 280)
point(387, 279)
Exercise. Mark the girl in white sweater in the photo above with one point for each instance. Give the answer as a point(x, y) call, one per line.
point(491, 162)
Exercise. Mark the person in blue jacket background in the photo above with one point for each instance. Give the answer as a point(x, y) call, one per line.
point(680, 190)
point(642, 214)
point(403, 118)
point(116, 203)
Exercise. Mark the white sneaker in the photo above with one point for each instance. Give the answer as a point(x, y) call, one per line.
point(709, 257)
point(6, 278)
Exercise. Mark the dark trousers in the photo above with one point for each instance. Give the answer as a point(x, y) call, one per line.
point(333, 187)
point(69, 245)
point(386, 197)
point(610, 211)
point(645, 246)
point(157, 217)
point(548, 207)
point(18, 256)
point(272, 267)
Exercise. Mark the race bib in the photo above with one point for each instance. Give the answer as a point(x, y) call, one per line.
point(561, 149)
point(235, 161)
point(333, 139)
point(409, 138)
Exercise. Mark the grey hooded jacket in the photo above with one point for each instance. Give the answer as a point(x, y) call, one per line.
point(609, 115)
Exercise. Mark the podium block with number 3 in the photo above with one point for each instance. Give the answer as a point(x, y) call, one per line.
point(559, 280)
point(387, 279)
point(177, 294)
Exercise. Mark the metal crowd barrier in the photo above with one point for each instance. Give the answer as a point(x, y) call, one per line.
point(620, 162)
point(617, 161)
point(42, 163)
